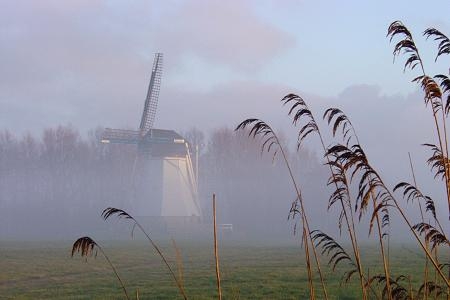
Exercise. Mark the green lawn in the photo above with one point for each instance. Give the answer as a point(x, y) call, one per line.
point(45, 270)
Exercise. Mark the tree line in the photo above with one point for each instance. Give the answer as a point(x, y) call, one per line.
point(57, 181)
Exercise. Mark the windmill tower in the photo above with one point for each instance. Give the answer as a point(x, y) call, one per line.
point(164, 157)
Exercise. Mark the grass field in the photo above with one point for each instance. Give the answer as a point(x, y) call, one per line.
point(45, 270)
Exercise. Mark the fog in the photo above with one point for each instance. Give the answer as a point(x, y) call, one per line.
point(55, 186)
point(87, 64)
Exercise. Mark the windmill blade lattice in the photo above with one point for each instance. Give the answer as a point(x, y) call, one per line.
point(151, 102)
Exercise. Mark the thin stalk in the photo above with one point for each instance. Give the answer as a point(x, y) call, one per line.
point(441, 143)
point(411, 295)
point(435, 275)
point(352, 234)
point(371, 287)
point(363, 279)
point(448, 288)
point(378, 297)
point(435, 264)
point(305, 219)
point(380, 240)
point(443, 150)
point(178, 283)
point(380, 236)
point(216, 252)
point(308, 266)
point(446, 167)
point(438, 224)
point(354, 241)
point(85, 245)
point(408, 223)
point(423, 220)
point(115, 271)
point(180, 267)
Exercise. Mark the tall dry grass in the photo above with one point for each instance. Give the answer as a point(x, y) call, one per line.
point(358, 184)
point(358, 191)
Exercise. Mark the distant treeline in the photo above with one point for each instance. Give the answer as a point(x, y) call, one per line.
point(60, 180)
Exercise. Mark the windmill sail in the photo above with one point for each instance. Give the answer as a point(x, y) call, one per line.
point(119, 136)
point(151, 102)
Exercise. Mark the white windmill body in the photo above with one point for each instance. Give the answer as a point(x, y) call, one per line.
point(164, 159)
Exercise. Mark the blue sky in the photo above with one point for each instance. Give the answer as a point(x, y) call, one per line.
point(346, 40)
point(339, 42)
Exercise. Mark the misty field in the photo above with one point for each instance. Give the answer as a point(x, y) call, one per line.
point(45, 270)
point(350, 209)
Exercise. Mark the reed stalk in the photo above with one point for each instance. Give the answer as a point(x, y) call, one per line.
point(300, 110)
point(261, 128)
point(306, 228)
point(422, 245)
point(351, 230)
point(431, 89)
point(425, 275)
point(341, 117)
point(85, 245)
point(380, 234)
point(110, 211)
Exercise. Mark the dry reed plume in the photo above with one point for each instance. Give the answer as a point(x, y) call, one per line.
point(358, 190)
point(352, 172)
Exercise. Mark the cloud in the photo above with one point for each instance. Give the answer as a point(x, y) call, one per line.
point(389, 126)
point(225, 105)
point(87, 62)
point(224, 32)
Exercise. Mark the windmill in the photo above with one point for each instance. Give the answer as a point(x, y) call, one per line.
point(165, 158)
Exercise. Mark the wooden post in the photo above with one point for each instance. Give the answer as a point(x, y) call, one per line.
point(216, 253)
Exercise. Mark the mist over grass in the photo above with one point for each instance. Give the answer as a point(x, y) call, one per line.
point(55, 185)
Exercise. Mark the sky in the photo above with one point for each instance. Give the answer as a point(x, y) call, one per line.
point(88, 63)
